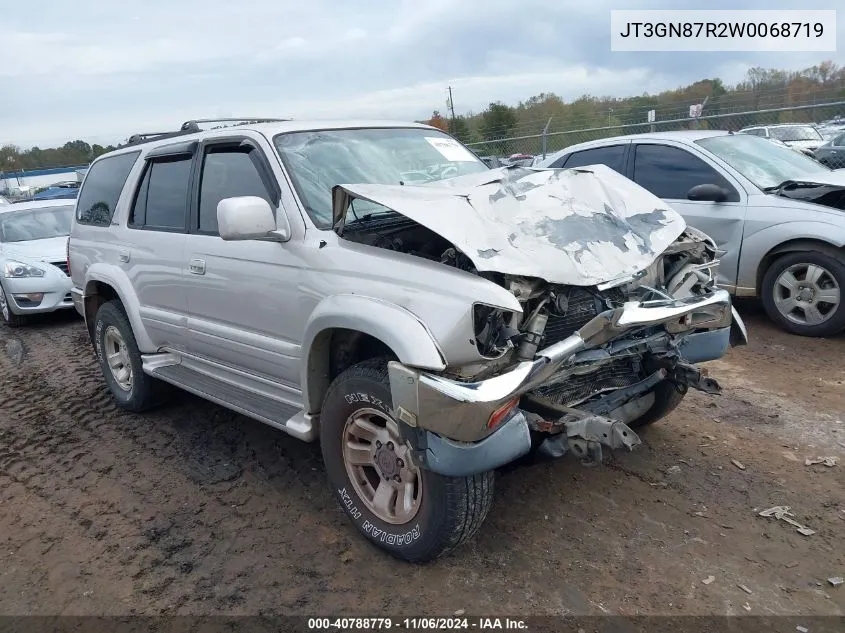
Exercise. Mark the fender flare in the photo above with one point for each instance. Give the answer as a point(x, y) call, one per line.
point(393, 325)
point(770, 239)
point(117, 280)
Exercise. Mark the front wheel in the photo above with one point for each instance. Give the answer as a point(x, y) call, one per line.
point(667, 397)
point(802, 292)
point(404, 509)
point(9, 318)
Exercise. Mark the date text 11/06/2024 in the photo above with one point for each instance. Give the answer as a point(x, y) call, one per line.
point(417, 624)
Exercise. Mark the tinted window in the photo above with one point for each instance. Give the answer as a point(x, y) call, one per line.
point(162, 199)
point(227, 173)
point(613, 156)
point(839, 140)
point(756, 132)
point(102, 188)
point(670, 172)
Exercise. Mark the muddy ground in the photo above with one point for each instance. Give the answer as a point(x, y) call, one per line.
point(192, 509)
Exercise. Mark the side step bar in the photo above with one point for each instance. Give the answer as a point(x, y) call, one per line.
point(263, 407)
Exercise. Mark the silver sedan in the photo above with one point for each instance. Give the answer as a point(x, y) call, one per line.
point(33, 259)
point(777, 217)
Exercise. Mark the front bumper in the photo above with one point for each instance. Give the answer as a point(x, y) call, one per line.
point(22, 294)
point(460, 411)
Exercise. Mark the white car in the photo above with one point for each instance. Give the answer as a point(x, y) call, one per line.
point(33, 258)
point(803, 137)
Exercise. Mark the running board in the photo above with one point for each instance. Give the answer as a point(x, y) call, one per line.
point(261, 406)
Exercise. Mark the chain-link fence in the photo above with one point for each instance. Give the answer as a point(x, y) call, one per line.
point(818, 130)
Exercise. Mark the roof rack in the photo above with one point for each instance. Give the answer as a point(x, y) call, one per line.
point(192, 126)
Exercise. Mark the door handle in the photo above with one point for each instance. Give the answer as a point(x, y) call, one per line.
point(197, 266)
point(124, 256)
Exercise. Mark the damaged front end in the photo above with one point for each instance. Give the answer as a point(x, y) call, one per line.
point(618, 302)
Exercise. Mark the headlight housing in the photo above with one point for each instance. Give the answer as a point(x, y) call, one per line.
point(19, 270)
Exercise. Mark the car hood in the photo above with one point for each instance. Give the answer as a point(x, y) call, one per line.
point(581, 226)
point(52, 249)
point(824, 188)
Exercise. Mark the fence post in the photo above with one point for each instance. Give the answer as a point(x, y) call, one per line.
point(545, 135)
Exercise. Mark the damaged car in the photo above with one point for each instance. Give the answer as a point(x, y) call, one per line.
point(777, 216)
point(375, 286)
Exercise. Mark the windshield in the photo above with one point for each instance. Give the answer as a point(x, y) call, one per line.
point(35, 224)
point(764, 163)
point(795, 133)
point(319, 160)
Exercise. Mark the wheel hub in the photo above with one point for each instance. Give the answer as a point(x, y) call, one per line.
point(387, 462)
point(806, 294)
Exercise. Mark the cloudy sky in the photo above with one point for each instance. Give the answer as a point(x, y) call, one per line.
point(103, 69)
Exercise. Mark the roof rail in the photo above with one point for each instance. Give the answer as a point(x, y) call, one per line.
point(192, 126)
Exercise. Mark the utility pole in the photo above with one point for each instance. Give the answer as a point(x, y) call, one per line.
point(451, 103)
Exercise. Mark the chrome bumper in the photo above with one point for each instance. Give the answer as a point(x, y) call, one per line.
point(460, 410)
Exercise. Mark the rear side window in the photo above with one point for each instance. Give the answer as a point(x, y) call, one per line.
point(102, 187)
point(162, 199)
point(227, 172)
point(613, 156)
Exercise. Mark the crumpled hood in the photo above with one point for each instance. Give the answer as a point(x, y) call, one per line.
point(52, 249)
point(826, 188)
point(581, 226)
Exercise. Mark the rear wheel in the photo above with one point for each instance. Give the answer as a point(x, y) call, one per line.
point(411, 513)
point(802, 292)
point(120, 361)
point(9, 318)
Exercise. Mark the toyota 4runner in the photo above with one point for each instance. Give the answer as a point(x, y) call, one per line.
point(375, 285)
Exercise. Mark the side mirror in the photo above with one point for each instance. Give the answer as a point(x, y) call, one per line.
point(707, 193)
point(250, 218)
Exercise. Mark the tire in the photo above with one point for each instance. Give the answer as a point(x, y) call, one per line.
point(444, 511)
point(9, 318)
point(799, 279)
point(138, 391)
point(667, 397)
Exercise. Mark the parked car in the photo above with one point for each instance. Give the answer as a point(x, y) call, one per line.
point(776, 216)
point(801, 136)
point(832, 153)
point(427, 333)
point(33, 259)
point(67, 190)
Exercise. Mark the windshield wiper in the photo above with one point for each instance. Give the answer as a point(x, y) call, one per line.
point(375, 215)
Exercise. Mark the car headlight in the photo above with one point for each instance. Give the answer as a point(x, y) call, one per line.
point(18, 270)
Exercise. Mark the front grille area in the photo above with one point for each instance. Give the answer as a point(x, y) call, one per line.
point(577, 388)
point(582, 306)
point(61, 266)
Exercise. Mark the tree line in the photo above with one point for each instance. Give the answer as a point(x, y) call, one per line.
point(761, 89)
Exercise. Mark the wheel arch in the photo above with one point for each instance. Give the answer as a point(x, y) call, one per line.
point(103, 285)
point(794, 246)
point(347, 329)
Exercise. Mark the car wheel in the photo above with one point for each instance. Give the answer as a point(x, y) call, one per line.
point(411, 513)
point(9, 318)
point(802, 292)
point(120, 360)
point(667, 397)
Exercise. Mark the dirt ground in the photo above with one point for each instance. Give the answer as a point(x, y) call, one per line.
point(192, 509)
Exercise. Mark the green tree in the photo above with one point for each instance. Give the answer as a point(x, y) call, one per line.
point(498, 121)
point(459, 128)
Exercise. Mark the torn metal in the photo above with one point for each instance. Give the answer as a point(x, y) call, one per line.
point(582, 226)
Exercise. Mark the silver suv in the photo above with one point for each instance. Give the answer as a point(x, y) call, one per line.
point(377, 285)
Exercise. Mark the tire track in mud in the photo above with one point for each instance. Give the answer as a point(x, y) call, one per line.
point(121, 478)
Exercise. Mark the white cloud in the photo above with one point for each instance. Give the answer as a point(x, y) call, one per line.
point(103, 70)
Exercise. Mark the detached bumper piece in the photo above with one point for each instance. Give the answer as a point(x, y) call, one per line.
point(583, 434)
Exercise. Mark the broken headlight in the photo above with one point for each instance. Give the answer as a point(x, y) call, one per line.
point(493, 329)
